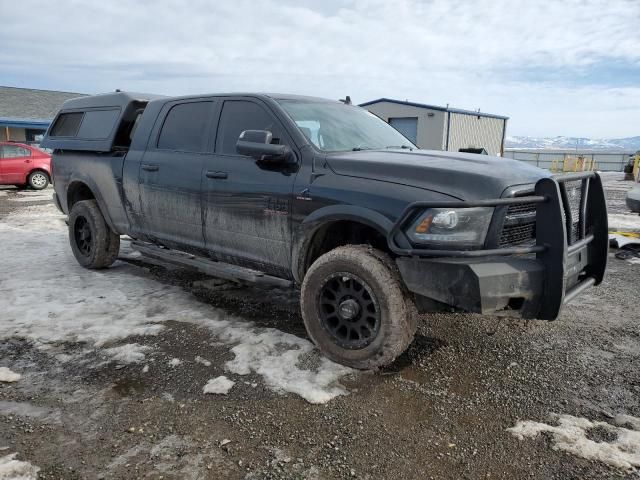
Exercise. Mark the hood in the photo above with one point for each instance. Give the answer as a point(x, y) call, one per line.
point(466, 176)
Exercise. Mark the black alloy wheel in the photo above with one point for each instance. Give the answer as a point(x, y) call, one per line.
point(349, 310)
point(83, 236)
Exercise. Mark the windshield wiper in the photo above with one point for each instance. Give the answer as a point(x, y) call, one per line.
point(407, 147)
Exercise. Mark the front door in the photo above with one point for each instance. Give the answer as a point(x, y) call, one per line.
point(15, 162)
point(171, 172)
point(247, 203)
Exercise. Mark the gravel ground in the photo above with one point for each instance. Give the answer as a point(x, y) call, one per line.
point(442, 410)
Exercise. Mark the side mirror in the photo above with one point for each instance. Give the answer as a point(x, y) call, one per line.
point(257, 144)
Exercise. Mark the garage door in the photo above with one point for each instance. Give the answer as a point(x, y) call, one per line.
point(408, 126)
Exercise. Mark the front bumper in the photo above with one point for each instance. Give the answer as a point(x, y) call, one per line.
point(529, 282)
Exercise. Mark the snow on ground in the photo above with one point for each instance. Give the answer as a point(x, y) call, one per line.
point(12, 469)
point(219, 385)
point(571, 435)
point(128, 353)
point(45, 296)
point(33, 198)
point(625, 222)
point(6, 375)
point(174, 362)
point(203, 361)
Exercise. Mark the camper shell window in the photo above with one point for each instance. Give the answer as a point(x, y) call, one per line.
point(67, 124)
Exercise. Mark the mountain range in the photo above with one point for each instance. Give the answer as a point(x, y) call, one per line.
point(628, 144)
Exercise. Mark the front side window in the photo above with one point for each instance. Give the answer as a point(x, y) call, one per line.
point(13, 151)
point(185, 127)
point(238, 116)
point(335, 127)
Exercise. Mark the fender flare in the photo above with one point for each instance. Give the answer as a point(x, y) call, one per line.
point(319, 218)
point(97, 195)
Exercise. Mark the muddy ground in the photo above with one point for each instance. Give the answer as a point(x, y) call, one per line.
point(440, 411)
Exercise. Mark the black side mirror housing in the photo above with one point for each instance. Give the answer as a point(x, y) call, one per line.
point(257, 144)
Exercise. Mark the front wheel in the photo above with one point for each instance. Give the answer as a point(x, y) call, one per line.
point(355, 309)
point(38, 180)
point(93, 243)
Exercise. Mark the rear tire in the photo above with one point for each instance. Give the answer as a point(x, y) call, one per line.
point(38, 180)
point(93, 243)
point(355, 307)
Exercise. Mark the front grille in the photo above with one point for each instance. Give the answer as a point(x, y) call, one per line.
point(519, 226)
point(573, 193)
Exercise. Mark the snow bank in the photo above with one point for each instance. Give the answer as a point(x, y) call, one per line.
point(219, 385)
point(12, 469)
point(8, 376)
point(571, 436)
point(59, 301)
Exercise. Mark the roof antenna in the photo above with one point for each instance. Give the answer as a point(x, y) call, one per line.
point(118, 90)
point(346, 101)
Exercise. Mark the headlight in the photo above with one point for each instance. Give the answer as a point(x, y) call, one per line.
point(452, 227)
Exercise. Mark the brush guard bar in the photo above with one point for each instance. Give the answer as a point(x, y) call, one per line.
point(572, 263)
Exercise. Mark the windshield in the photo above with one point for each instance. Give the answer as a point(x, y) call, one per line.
point(335, 127)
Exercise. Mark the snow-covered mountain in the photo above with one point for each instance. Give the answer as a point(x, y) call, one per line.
point(630, 144)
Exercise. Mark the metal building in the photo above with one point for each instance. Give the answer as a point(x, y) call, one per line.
point(443, 128)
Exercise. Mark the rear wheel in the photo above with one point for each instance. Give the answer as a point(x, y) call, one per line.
point(38, 180)
point(93, 243)
point(355, 308)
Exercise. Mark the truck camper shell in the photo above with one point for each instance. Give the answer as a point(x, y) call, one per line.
point(99, 123)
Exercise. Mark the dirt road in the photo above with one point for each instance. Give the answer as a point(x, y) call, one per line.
point(113, 366)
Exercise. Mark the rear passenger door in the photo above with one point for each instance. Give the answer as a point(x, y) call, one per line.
point(15, 162)
point(247, 203)
point(171, 172)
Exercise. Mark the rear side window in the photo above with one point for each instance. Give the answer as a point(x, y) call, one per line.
point(98, 124)
point(185, 127)
point(13, 151)
point(67, 124)
point(240, 115)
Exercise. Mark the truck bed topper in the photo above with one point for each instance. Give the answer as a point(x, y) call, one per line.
point(99, 123)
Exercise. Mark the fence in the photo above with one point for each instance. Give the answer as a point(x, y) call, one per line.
point(608, 162)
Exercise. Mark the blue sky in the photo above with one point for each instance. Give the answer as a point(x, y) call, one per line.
point(554, 67)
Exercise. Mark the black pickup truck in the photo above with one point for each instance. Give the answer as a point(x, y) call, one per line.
point(297, 191)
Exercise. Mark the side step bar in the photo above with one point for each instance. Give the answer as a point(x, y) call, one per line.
point(209, 267)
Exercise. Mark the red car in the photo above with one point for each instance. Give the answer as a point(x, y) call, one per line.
point(22, 165)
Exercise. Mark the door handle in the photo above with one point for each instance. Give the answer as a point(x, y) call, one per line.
point(219, 175)
point(150, 168)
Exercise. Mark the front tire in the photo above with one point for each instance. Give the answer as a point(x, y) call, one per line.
point(38, 180)
point(93, 243)
point(355, 308)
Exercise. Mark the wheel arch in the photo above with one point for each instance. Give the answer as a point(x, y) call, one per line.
point(80, 189)
point(349, 220)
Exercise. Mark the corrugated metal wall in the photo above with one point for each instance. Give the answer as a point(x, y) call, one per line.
point(611, 162)
point(472, 131)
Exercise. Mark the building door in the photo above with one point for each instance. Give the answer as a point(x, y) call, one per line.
point(170, 174)
point(407, 126)
point(14, 164)
point(247, 203)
